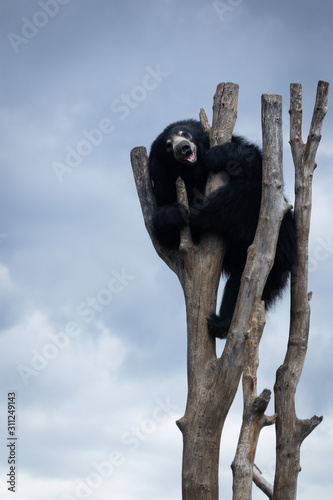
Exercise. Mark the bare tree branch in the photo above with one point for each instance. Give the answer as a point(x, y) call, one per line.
point(139, 161)
point(213, 382)
point(204, 121)
point(261, 482)
point(226, 96)
point(272, 211)
point(254, 418)
point(200, 425)
point(290, 431)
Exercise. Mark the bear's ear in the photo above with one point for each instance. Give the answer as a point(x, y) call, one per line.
point(152, 159)
point(156, 150)
point(153, 163)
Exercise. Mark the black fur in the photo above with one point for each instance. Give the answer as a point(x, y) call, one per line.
point(232, 211)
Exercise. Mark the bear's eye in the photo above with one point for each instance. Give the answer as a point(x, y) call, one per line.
point(169, 145)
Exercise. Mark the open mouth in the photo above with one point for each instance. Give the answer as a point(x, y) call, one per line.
point(185, 152)
point(190, 157)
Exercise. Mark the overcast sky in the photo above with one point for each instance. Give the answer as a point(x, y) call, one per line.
point(93, 334)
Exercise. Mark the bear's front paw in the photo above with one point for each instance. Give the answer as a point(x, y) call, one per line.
point(197, 216)
point(217, 327)
point(184, 213)
point(175, 215)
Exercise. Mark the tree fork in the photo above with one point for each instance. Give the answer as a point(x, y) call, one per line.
point(212, 381)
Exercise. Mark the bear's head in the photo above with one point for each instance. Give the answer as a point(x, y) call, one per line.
point(180, 144)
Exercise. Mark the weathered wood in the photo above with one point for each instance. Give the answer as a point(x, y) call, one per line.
point(198, 269)
point(272, 212)
point(201, 426)
point(226, 97)
point(139, 161)
point(254, 418)
point(213, 382)
point(223, 123)
point(291, 431)
point(261, 482)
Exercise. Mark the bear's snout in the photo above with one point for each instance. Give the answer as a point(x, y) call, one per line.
point(184, 148)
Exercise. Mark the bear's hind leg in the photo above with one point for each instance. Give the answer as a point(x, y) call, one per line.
point(219, 324)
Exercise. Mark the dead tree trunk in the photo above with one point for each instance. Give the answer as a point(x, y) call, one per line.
point(290, 430)
point(254, 418)
point(212, 381)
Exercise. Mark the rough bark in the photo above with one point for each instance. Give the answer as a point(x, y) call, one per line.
point(212, 381)
point(139, 161)
point(254, 418)
point(198, 269)
point(291, 431)
point(200, 426)
point(272, 212)
point(261, 482)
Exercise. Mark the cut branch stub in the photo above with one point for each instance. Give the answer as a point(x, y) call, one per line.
point(139, 161)
point(226, 96)
point(223, 123)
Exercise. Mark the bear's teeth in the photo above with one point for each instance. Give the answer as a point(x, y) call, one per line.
point(191, 158)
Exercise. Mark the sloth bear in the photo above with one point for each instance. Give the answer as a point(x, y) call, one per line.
point(182, 150)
